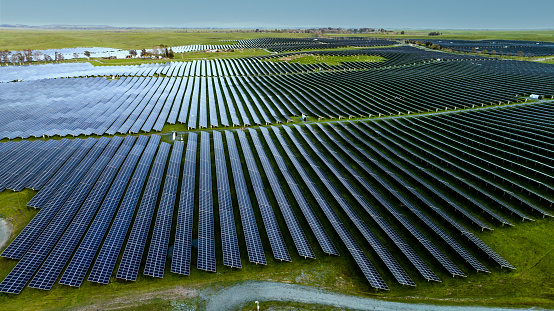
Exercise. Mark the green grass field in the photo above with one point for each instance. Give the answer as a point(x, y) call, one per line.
point(532, 35)
point(18, 39)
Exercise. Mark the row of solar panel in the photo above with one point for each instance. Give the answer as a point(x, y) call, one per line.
point(89, 202)
point(140, 104)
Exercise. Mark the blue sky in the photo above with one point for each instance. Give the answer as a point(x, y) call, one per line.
point(460, 14)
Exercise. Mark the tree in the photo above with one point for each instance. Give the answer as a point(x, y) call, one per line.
point(520, 53)
point(485, 51)
point(133, 53)
point(47, 58)
point(5, 56)
point(87, 54)
point(37, 55)
point(143, 53)
point(171, 54)
point(28, 55)
point(493, 52)
point(155, 50)
point(402, 32)
point(75, 55)
point(17, 58)
point(58, 56)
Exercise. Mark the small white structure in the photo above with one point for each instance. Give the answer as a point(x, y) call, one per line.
point(535, 96)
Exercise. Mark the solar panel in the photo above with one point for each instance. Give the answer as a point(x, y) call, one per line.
point(229, 241)
point(249, 227)
point(206, 239)
point(134, 249)
point(302, 246)
point(314, 223)
point(155, 263)
point(30, 233)
point(107, 257)
point(180, 261)
point(276, 240)
point(39, 166)
point(29, 264)
point(54, 264)
point(49, 186)
point(361, 259)
point(82, 259)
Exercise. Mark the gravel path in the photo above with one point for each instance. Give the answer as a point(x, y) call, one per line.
point(4, 232)
point(234, 297)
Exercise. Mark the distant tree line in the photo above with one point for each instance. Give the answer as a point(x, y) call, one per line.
point(157, 51)
point(29, 56)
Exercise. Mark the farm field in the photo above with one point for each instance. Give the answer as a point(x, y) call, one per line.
point(390, 172)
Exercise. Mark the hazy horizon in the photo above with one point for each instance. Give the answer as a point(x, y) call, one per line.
point(395, 14)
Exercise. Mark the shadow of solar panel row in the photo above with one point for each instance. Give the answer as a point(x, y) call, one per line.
point(180, 261)
point(229, 240)
point(111, 247)
point(159, 243)
point(134, 248)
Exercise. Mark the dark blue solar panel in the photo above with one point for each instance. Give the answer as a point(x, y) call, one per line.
point(180, 262)
point(25, 239)
point(155, 263)
point(29, 264)
point(229, 241)
point(106, 260)
point(302, 246)
point(54, 264)
point(276, 240)
point(317, 228)
point(249, 227)
point(40, 165)
point(81, 261)
point(132, 256)
point(206, 239)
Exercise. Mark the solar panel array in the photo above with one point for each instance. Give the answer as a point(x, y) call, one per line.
point(396, 190)
point(258, 91)
point(498, 47)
